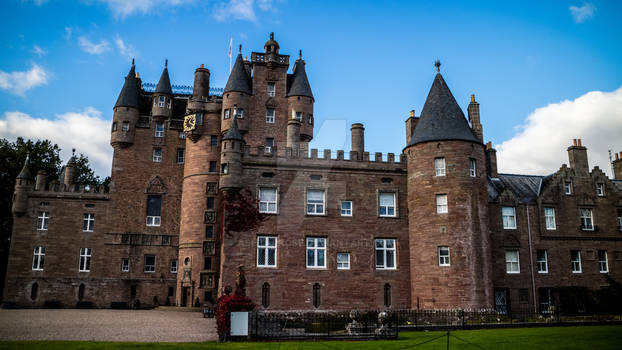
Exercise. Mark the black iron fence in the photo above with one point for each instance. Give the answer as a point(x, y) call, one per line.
point(323, 325)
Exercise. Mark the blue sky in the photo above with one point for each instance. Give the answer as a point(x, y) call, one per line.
point(63, 65)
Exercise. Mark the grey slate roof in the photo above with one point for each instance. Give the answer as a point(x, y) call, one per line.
point(164, 85)
point(25, 172)
point(233, 133)
point(526, 187)
point(129, 93)
point(441, 117)
point(298, 84)
point(238, 79)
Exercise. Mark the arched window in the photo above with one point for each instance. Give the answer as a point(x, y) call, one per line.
point(81, 292)
point(316, 295)
point(265, 295)
point(387, 295)
point(34, 290)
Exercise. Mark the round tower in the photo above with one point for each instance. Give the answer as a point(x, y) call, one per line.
point(163, 97)
point(300, 101)
point(450, 261)
point(231, 158)
point(236, 96)
point(198, 230)
point(70, 170)
point(126, 112)
point(23, 184)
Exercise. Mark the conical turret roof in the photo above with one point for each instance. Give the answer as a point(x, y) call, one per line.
point(238, 79)
point(164, 84)
point(233, 133)
point(441, 117)
point(129, 93)
point(25, 173)
point(299, 84)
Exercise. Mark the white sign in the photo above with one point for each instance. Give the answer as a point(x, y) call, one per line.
point(239, 324)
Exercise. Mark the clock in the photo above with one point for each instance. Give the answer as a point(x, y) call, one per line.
point(190, 122)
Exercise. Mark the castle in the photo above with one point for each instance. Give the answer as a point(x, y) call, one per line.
point(436, 227)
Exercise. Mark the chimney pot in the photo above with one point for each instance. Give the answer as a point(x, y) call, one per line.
point(202, 65)
point(412, 112)
point(579, 142)
point(472, 98)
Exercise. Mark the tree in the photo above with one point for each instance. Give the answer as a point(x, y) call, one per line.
point(86, 176)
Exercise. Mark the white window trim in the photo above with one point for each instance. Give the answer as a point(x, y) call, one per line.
point(568, 190)
point(347, 267)
point(145, 264)
point(508, 227)
point(578, 261)
point(472, 167)
point(159, 129)
point(545, 261)
point(161, 101)
point(517, 262)
point(384, 254)
point(443, 258)
point(125, 126)
point(271, 89)
point(586, 218)
point(600, 189)
point(266, 251)
point(82, 264)
point(323, 204)
point(45, 221)
point(315, 250)
point(547, 217)
point(387, 215)
point(125, 268)
point(89, 218)
point(226, 114)
point(440, 167)
point(605, 262)
point(440, 207)
point(342, 209)
point(157, 158)
point(181, 151)
point(38, 255)
point(174, 266)
point(154, 221)
point(267, 203)
point(270, 119)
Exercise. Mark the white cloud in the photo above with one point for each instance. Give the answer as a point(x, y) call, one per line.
point(86, 131)
point(91, 47)
point(68, 32)
point(126, 50)
point(37, 50)
point(124, 8)
point(36, 2)
point(19, 82)
point(583, 13)
point(540, 145)
point(235, 9)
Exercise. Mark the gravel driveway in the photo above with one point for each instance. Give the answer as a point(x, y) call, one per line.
point(107, 325)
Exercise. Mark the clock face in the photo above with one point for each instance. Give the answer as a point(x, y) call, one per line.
point(190, 122)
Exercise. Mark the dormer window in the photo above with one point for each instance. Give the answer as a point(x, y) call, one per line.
point(159, 130)
point(161, 101)
point(600, 190)
point(568, 188)
point(271, 89)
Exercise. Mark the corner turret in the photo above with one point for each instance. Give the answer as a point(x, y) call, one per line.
point(126, 113)
point(23, 184)
point(163, 96)
point(236, 96)
point(231, 158)
point(70, 170)
point(300, 100)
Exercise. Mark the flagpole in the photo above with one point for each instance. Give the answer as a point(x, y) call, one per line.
point(230, 53)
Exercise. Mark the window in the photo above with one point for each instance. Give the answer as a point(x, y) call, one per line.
point(214, 140)
point(154, 207)
point(271, 89)
point(125, 265)
point(568, 188)
point(212, 166)
point(509, 218)
point(387, 295)
point(159, 129)
point(85, 260)
point(174, 266)
point(586, 219)
point(600, 190)
point(265, 295)
point(549, 218)
point(346, 208)
point(315, 202)
point(316, 295)
point(270, 115)
point(603, 263)
point(226, 114)
point(238, 112)
point(150, 263)
point(511, 261)
point(88, 223)
point(125, 126)
point(443, 256)
point(199, 118)
point(181, 155)
point(114, 126)
point(224, 168)
point(575, 261)
point(267, 200)
point(207, 263)
point(161, 101)
point(182, 135)
point(542, 259)
point(210, 202)
point(310, 119)
point(298, 116)
point(269, 144)
point(34, 290)
point(386, 204)
point(38, 258)
point(472, 167)
point(385, 254)
point(316, 252)
point(266, 251)
point(441, 203)
point(343, 261)
point(42, 220)
point(439, 166)
point(619, 219)
point(157, 155)
point(209, 232)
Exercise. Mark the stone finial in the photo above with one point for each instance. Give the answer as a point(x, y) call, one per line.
point(240, 48)
point(166, 63)
point(272, 35)
point(472, 98)
point(299, 54)
point(437, 64)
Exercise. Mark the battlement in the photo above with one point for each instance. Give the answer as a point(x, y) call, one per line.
point(288, 157)
point(55, 188)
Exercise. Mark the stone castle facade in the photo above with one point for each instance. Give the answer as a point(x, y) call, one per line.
point(435, 227)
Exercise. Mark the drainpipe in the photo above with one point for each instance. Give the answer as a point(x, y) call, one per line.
point(533, 280)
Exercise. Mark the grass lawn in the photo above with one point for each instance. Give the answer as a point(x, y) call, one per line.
point(550, 338)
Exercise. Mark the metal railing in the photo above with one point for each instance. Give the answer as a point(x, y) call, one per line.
point(182, 89)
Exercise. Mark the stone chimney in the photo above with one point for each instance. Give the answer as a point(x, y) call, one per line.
point(41, 181)
point(491, 160)
point(358, 139)
point(577, 155)
point(411, 123)
point(473, 111)
point(617, 167)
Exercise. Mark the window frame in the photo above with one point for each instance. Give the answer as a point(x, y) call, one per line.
point(586, 219)
point(510, 263)
point(43, 221)
point(180, 156)
point(542, 261)
point(157, 155)
point(161, 101)
point(125, 267)
point(84, 264)
point(315, 212)
point(152, 267)
point(125, 126)
point(472, 167)
point(549, 220)
point(265, 249)
point(226, 114)
point(174, 266)
point(602, 263)
point(506, 225)
point(38, 258)
point(600, 189)
point(271, 89)
point(213, 141)
point(153, 220)
point(159, 129)
point(316, 249)
point(440, 207)
point(443, 259)
point(214, 168)
point(440, 167)
point(568, 188)
point(343, 265)
point(346, 211)
point(267, 202)
point(387, 207)
point(89, 221)
point(574, 263)
point(384, 249)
